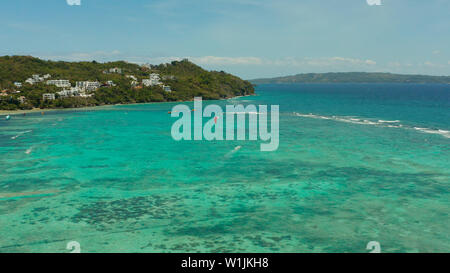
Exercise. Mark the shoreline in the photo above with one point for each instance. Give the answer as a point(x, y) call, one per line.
point(38, 110)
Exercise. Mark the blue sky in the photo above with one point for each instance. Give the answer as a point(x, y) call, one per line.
point(250, 38)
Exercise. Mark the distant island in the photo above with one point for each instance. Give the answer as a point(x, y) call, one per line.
point(354, 77)
point(28, 83)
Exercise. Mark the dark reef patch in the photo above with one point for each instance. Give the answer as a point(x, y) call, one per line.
point(103, 213)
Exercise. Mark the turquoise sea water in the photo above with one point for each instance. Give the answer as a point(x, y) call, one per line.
point(356, 163)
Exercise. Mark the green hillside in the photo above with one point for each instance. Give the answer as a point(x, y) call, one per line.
point(354, 77)
point(186, 80)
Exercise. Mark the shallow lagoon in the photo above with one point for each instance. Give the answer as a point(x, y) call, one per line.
point(356, 163)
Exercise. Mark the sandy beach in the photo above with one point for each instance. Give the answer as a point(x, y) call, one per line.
point(20, 112)
point(38, 110)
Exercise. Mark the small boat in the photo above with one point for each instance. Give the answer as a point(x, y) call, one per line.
point(8, 117)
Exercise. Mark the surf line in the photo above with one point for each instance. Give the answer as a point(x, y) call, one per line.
point(26, 132)
point(235, 150)
point(213, 129)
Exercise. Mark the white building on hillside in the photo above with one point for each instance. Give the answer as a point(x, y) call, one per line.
point(115, 70)
point(59, 83)
point(92, 86)
point(131, 77)
point(34, 79)
point(18, 84)
point(72, 92)
point(153, 80)
point(48, 96)
point(110, 83)
point(84, 95)
point(88, 86)
point(37, 78)
point(146, 82)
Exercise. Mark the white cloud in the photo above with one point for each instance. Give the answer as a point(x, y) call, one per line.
point(394, 64)
point(433, 65)
point(255, 67)
point(74, 2)
point(428, 63)
point(204, 60)
point(243, 66)
point(85, 56)
point(256, 61)
point(322, 62)
point(214, 60)
point(352, 61)
point(374, 2)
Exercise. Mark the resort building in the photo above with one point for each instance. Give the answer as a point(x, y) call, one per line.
point(48, 96)
point(18, 84)
point(167, 88)
point(146, 82)
point(22, 99)
point(153, 80)
point(87, 85)
point(59, 83)
point(115, 70)
point(81, 85)
point(36, 78)
point(72, 92)
point(92, 86)
point(110, 83)
point(84, 95)
point(131, 77)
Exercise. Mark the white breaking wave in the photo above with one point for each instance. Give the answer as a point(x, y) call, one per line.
point(19, 135)
point(237, 148)
point(389, 121)
point(341, 119)
point(443, 133)
point(381, 123)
